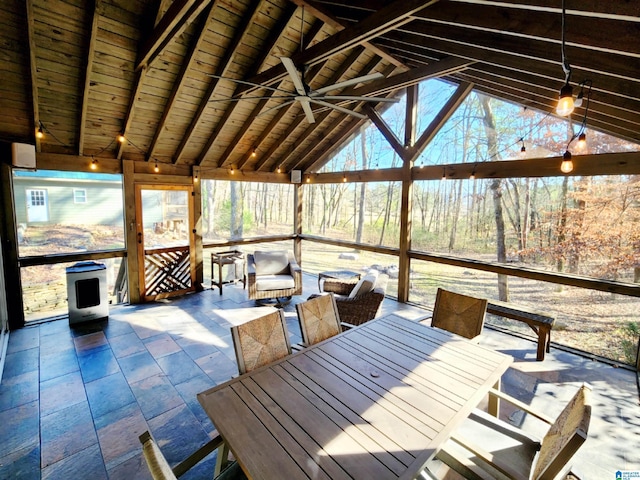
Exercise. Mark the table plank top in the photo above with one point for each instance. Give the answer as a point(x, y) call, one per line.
point(374, 402)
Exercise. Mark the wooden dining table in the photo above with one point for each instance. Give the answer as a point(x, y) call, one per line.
point(374, 402)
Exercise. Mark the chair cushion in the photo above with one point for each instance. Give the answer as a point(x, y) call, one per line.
point(365, 285)
point(271, 263)
point(274, 282)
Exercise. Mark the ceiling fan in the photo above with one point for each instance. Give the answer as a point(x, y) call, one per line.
point(306, 96)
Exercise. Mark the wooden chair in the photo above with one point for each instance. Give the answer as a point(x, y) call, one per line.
point(486, 447)
point(161, 470)
point(319, 319)
point(459, 314)
point(261, 341)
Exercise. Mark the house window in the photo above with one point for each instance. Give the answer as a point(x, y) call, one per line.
point(79, 195)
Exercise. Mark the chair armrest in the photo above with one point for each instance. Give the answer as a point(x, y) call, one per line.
point(521, 405)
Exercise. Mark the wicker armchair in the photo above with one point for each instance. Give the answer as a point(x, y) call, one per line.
point(356, 310)
point(273, 275)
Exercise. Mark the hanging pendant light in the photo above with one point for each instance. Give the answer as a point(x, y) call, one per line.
point(565, 101)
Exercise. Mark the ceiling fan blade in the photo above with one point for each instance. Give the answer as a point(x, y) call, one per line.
point(337, 107)
point(295, 76)
point(277, 107)
point(243, 82)
point(352, 98)
point(237, 99)
point(306, 107)
point(348, 83)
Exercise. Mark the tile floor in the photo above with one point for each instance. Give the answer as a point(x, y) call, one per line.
point(73, 401)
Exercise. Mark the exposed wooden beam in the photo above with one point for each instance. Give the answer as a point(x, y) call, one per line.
point(33, 69)
point(547, 27)
point(180, 13)
point(439, 120)
point(181, 79)
point(221, 70)
point(325, 15)
point(391, 16)
point(91, 48)
point(335, 77)
point(140, 76)
point(411, 115)
point(444, 67)
point(385, 130)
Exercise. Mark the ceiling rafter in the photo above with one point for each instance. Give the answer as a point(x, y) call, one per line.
point(172, 23)
point(392, 16)
point(91, 51)
point(355, 53)
point(181, 79)
point(33, 70)
point(221, 70)
point(323, 14)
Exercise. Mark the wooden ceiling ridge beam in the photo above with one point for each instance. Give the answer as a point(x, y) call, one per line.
point(327, 17)
point(335, 77)
point(33, 70)
point(221, 70)
point(581, 32)
point(187, 64)
point(391, 16)
point(172, 23)
point(91, 52)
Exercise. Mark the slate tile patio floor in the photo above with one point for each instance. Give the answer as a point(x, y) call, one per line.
point(73, 401)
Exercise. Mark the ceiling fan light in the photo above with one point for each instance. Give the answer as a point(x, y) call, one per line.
point(565, 101)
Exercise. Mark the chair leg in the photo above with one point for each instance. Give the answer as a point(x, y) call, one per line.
point(198, 455)
point(223, 458)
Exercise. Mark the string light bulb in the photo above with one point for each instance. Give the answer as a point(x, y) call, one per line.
point(567, 163)
point(40, 131)
point(94, 164)
point(344, 178)
point(121, 138)
point(444, 175)
point(195, 178)
point(232, 171)
point(279, 169)
point(308, 178)
point(582, 141)
point(565, 101)
point(155, 168)
point(254, 152)
point(523, 149)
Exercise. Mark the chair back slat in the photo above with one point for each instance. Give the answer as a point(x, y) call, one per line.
point(318, 319)
point(458, 313)
point(261, 341)
point(565, 436)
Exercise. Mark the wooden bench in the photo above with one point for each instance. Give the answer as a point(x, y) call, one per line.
point(541, 323)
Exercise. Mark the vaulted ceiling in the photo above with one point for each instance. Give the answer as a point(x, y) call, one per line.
point(87, 70)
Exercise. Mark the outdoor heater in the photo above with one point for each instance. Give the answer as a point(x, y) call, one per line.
point(87, 292)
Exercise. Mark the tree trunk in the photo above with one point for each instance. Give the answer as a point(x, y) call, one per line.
point(236, 212)
point(496, 189)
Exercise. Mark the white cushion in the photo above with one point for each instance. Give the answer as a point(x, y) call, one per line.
point(271, 263)
point(274, 282)
point(365, 285)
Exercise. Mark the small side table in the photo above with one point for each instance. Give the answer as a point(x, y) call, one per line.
point(235, 258)
point(338, 281)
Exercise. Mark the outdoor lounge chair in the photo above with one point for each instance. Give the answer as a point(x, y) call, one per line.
point(261, 341)
point(361, 302)
point(486, 447)
point(273, 275)
point(459, 314)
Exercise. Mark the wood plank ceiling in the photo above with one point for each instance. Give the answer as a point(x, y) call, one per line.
point(86, 70)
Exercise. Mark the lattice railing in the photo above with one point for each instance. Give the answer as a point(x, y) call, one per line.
point(167, 270)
